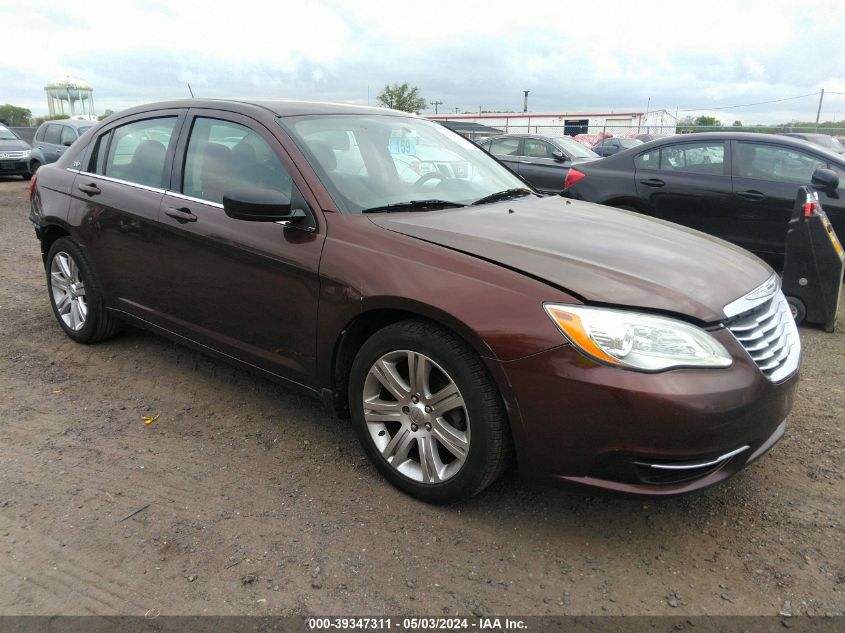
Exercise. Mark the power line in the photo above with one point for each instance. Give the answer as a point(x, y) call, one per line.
point(747, 105)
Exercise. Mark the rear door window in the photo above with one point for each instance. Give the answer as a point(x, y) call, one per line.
point(138, 151)
point(505, 147)
point(648, 160)
point(696, 158)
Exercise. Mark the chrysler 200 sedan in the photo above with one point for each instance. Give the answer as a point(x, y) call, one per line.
point(457, 317)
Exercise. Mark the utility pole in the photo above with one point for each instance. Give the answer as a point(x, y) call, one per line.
point(819, 111)
point(525, 100)
point(456, 110)
point(435, 104)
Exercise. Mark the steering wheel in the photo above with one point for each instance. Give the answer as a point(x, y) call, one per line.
point(425, 178)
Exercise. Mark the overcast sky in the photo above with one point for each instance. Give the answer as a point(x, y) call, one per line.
point(571, 56)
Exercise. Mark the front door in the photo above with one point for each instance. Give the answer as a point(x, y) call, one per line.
point(765, 183)
point(243, 288)
point(539, 167)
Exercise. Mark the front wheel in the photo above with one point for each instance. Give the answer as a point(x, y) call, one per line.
point(428, 413)
point(75, 294)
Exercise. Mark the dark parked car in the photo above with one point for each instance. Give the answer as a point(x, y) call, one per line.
point(734, 185)
point(541, 160)
point(456, 316)
point(827, 141)
point(53, 138)
point(611, 146)
point(14, 154)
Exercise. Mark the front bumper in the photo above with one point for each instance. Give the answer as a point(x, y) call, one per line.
point(14, 167)
point(667, 433)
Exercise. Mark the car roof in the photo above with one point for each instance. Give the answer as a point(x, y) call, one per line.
point(74, 123)
point(760, 137)
point(277, 107)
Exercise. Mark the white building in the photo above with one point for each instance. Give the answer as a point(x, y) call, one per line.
point(626, 123)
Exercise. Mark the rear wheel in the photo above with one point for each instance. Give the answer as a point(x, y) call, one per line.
point(75, 294)
point(427, 412)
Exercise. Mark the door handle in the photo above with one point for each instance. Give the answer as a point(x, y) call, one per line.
point(182, 214)
point(91, 189)
point(527, 162)
point(652, 182)
point(751, 195)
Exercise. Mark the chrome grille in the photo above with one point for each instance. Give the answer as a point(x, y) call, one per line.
point(10, 155)
point(768, 334)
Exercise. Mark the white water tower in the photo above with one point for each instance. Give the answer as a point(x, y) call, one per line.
point(70, 96)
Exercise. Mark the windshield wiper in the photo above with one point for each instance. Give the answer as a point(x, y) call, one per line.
point(504, 195)
point(414, 205)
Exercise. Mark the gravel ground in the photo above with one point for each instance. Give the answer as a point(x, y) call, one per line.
point(256, 501)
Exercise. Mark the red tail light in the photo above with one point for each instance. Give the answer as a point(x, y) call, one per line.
point(32, 186)
point(572, 176)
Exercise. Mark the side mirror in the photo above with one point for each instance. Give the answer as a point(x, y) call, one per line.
point(68, 143)
point(558, 156)
point(260, 205)
point(826, 179)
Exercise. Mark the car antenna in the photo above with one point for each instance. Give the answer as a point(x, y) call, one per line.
point(191, 91)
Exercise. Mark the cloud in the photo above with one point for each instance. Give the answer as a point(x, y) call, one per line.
point(606, 55)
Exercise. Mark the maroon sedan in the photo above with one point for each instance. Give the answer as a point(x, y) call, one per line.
point(395, 270)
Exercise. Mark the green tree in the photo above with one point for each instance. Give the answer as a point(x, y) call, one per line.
point(707, 121)
point(402, 97)
point(57, 117)
point(15, 116)
point(737, 123)
point(105, 115)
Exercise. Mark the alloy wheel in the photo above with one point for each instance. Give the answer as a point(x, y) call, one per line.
point(68, 291)
point(416, 416)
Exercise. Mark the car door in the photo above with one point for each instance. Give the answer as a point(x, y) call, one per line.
point(247, 289)
point(115, 202)
point(508, 150)
point(689, 183)
point(766, 177)
point(539, 166)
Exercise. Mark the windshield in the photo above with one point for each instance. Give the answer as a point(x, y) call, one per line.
point(574, 148)
point(6, 134)
point(81, 130)
point(370, 161)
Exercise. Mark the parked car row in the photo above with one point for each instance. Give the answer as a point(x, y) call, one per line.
point(19, 158)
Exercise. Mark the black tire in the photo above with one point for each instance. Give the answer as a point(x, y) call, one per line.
point(798, 309)
point(490, 444)
point(26, 176)
point(99, 324)
point(33, 167)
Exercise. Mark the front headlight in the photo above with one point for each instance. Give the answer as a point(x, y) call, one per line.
point(26, 153)
point(634, 340)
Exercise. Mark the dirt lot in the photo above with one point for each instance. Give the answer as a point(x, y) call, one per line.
point(260, 502)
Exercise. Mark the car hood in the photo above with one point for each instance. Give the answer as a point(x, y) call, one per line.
point(13, 144)
point(600, 254)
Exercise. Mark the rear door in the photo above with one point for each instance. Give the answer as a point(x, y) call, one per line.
point(539, 167)
point(115, 202)
point(689, 183)
point(247, 289)
point(766, 177)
